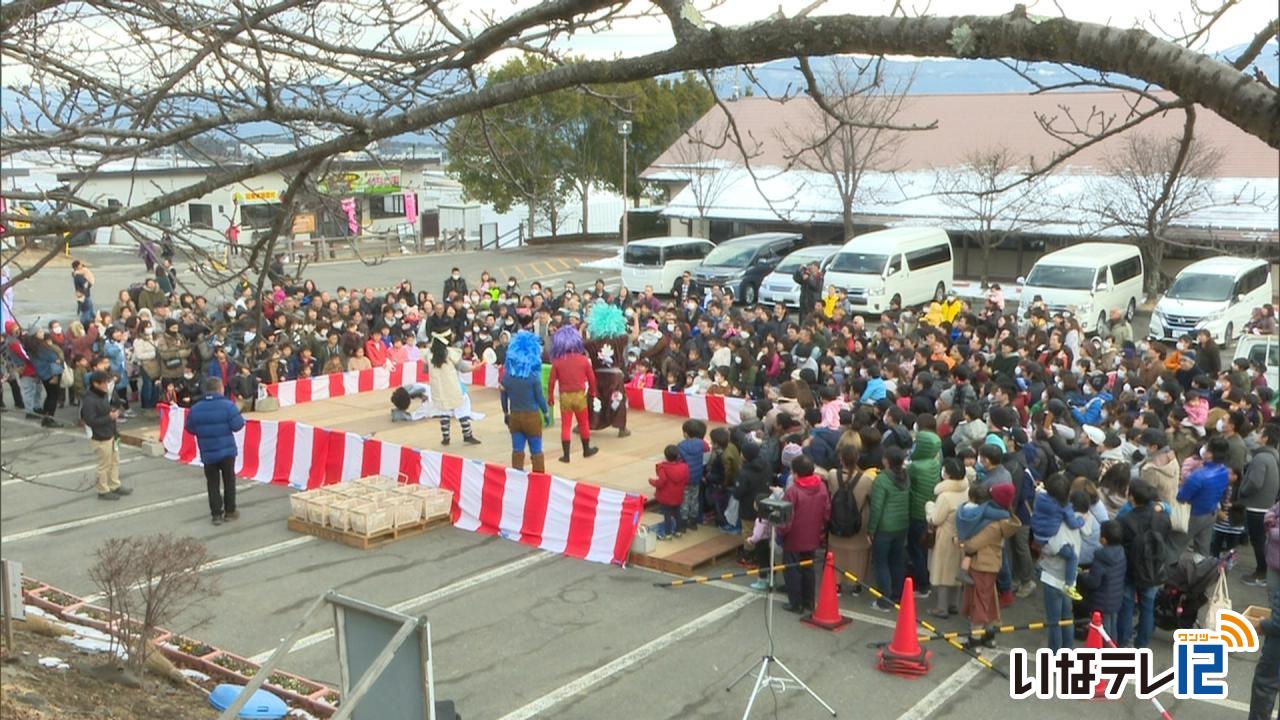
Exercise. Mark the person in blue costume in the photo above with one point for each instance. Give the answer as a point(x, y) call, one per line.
point(524, 405)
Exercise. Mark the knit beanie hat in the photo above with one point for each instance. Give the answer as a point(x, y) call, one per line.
point(789, 453)
point(1002, 495)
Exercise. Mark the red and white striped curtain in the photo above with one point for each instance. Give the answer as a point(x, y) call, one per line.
point(572, 518)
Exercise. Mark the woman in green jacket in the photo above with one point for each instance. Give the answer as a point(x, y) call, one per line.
point(890, 503)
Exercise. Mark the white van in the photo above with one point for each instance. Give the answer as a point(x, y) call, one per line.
point(909, 264)
point(660, 261)
point(1217, 294)
point(1087, 280)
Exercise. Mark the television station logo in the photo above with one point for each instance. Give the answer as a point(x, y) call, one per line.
point(1199, 666)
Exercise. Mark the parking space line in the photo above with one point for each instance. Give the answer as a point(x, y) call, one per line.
point(427, 598)
point(604, 672)
point(781, 597)
point(68, 471)
point(245, 556)
point(1224, 702)
point(945, 690)
point(95, 519)
point(563, 264)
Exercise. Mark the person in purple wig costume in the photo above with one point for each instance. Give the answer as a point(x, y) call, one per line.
point(571, 371)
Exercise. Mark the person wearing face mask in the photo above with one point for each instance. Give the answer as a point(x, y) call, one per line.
point(454, 285)
point(1234, 427)
point(1091, 413)
point(174, 352)
point(1203, 489)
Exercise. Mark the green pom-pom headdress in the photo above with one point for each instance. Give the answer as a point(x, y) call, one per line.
point(605, 321)
point(524, 355)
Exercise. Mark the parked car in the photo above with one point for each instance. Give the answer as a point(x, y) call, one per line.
point(1261, 348)
point(908, 266)
point(741, 264)
point(1217, 294)
point(79, 238)
point(1087, 280)
point(657, 262)
point(780, 286)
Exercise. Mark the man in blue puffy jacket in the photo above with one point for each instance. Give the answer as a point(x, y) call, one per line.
point(214, 420)
point(1203, 490)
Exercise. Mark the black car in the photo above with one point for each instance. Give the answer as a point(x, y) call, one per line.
point(79, 238)
point(740, 264)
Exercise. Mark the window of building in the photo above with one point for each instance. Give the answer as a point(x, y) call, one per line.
point(259, 216)
point(163, 217)
point(386, 206)
point(200, 215)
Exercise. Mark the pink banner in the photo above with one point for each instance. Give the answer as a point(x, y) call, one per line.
point(411, 207)
point(349, 207)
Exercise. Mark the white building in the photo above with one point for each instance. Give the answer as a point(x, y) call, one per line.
point(382, 199)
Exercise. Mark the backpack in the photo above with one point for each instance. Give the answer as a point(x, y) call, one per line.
point(846, 516)
point(1149, 568)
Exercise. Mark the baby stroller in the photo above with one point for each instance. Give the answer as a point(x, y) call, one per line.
point(1179, 601)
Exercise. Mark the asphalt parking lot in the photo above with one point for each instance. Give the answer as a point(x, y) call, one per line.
point(517, 633)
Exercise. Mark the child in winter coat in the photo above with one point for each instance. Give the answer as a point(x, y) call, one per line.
point(1105, 577)
point(672, 479)
point(832, 404)
point(693, 449)
point(760, 539)
point(1053, 510)
point(972, 516)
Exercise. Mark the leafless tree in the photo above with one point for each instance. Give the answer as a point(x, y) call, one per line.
point(854, 128)
point(146, 581)
point(697, 161)
point(1153, 185)
point(103, 82)
point(985, 197)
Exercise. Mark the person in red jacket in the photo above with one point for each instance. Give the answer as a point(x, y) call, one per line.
point(673, 476)
point(811, 509)
point(376, 350)
point(571, 371)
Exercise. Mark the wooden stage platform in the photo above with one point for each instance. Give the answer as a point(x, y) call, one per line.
point(622, 464)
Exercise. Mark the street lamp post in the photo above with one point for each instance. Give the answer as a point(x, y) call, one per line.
point(624, 129)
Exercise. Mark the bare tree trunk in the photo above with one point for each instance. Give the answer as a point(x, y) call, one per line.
point(1155, 252)
point(848, 219)
point(986, 259)
point(533, 215)
point(586, 208)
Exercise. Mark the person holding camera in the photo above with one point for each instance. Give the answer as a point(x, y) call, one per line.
point(811, 509)
point(100, 418)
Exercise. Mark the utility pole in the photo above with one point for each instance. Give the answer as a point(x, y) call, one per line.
point(624, 129)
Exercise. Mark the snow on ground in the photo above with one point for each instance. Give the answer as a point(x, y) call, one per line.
point(609, 263)
point(54, 663)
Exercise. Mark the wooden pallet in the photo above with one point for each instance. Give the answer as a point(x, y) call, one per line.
point(362, 542)
point(685, 561)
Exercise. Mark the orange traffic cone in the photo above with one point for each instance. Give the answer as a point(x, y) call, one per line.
point(1094, 641)
point(827, 615)
point(904, 656)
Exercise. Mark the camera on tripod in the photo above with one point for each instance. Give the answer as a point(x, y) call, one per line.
point(776, 510)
